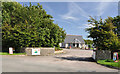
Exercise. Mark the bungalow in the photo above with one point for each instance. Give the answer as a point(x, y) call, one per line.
point(73, 41)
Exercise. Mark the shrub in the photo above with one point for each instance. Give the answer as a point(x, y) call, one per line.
point(58, 48)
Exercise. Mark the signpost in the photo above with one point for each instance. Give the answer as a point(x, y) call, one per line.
point(36, 51)
point(115, 57)
point(10, 50)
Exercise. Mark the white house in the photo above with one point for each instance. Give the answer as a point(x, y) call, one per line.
point(73, 41)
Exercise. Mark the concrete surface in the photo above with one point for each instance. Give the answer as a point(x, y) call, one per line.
point(75, 60)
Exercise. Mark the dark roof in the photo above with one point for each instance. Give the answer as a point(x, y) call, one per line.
point(73, 39)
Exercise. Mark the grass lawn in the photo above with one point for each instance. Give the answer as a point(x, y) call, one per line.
point(91, 48)
point(109, 63)
point(5, 53)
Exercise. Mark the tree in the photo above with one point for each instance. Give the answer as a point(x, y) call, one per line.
point(29, 26)
point(116, 22)
point(103, 35)
point(88, 42)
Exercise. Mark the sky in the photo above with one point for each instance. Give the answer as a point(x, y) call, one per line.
point(73, 16)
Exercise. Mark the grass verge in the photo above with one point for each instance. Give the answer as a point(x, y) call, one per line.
point(110, 63)
point(5, 53)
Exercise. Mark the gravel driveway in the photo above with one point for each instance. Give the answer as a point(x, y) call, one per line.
point(74, 60)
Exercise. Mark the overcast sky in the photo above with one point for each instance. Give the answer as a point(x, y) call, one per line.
point(73, 16)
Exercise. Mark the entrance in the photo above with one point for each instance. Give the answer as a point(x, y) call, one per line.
point(77, 45)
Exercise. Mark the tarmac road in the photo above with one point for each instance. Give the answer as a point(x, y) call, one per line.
point(75, 60)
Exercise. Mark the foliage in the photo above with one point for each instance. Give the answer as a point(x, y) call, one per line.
point(116, 22)
point(119, 54)
point(103, 35)
point(89, 46)
point(88, 41)
point(29, 26)
point(58, 48)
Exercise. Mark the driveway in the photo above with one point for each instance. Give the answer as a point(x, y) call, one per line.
point(74, 60)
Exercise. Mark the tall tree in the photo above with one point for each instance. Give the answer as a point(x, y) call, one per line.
point(29, 26)
point(102, 33)
point(116, 22)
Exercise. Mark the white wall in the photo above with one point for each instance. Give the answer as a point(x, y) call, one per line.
point(80, 46)
point(75, 45)
point(66, 45)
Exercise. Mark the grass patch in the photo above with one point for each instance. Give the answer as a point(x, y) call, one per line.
point(5, 53)
point(91, 48)
point(109, 63)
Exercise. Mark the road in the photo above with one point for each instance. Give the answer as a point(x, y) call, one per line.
point(74, 60)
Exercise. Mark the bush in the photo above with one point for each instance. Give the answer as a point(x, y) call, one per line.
point(58, 48)
point(119, 54)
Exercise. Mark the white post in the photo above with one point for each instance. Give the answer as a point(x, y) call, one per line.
point(10, 50)
point(60, 44)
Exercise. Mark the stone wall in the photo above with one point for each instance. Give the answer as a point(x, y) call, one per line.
point(22, 50)
point(28, 51)
point(102, 54)
point(43, 51)
point(47, 51)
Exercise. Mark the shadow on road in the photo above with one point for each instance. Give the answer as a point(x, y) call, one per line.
point(88, 59)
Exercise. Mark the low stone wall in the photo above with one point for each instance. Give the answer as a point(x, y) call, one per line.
point(102, 54)
point(47, 51)
point(28, 51)
point(57, 52)
point(22, 50)
point(43, 51)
